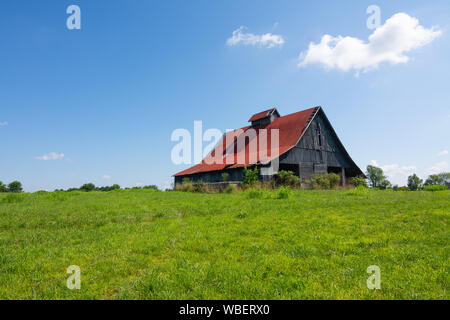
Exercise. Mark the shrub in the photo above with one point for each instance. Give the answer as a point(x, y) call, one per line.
point(225, 176)
point(402, 189)
point(333, 179)
point(185, 186)
point(296, 182)
point(199, 187)
point(435, 188)
point(231, 188)
point(320, 181)
point(287, 178)
point(324, 181)
point(250, 176)
point(359, 182)
point(87, 187)
point(283, 193)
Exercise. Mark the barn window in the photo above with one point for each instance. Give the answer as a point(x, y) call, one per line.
point(319, 135)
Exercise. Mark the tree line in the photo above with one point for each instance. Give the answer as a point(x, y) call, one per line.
point(88, 187)
point(377, 179)
point(13, 187)
point(16, 187)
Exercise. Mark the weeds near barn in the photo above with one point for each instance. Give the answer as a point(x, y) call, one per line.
point(144, 244)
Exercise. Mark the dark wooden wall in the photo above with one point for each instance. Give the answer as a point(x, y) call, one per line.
point(216, 176)
point(318, 157)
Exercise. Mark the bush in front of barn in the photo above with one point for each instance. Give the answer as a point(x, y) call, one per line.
point(359, 182)
point(324, 181)
point(287, 179)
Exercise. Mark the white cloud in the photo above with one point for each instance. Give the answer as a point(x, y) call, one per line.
point(443, 153)
point(106, 177)
point(439, 168)
point(139, 184)
point(395, 173)
point(267, 40)
point(388, 43)
point(51, 156)
point(3, 123)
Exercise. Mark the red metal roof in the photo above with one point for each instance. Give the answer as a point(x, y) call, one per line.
point(261, 115)
point(291, 128)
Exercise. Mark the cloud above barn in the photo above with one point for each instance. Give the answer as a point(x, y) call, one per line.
point(51, 156)
point(267, 40)
point(389, 43)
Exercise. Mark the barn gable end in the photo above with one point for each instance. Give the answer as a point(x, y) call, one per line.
point(319, 151)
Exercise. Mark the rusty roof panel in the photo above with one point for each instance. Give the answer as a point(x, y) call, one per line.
point(291, 128)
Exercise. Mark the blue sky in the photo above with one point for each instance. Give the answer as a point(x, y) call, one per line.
point(105, 99)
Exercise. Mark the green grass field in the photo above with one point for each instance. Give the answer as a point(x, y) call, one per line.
point(168, 245)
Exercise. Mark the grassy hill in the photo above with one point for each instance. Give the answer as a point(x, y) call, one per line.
point(142, 244)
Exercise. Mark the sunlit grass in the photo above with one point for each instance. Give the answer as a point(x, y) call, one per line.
point(248, 245)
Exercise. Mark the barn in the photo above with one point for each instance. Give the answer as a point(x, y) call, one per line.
point(307, 145)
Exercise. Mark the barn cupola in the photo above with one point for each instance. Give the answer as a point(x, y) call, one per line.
point(264, 118)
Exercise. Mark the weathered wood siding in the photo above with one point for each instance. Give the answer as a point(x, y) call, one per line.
point(314, 156)
point(216, 176)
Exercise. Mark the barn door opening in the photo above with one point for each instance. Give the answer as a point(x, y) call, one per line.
point(290, 167)
point(336, 170)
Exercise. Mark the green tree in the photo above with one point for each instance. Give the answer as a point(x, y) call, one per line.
point(87, 187)
point(385, 184)
point(376, 177)
point(414, 182)
point(15, 187)
point(441, 179)
point(152, 187)
point(359, 182)
point(3, 188)
point(250, 176)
